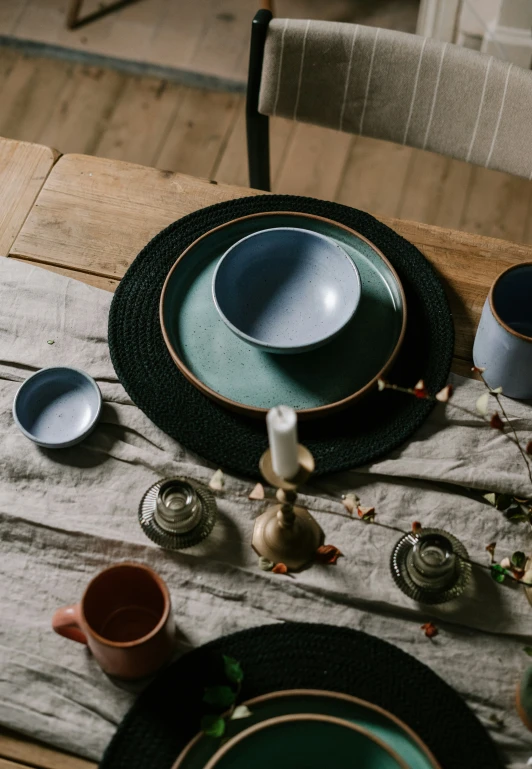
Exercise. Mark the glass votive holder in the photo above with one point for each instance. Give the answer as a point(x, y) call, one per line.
point(431, 566)
point(177, 513)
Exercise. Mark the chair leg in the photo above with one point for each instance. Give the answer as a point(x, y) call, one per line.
point(257, 125)
point(73, 12)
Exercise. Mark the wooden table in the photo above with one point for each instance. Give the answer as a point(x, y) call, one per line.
point(88, 217)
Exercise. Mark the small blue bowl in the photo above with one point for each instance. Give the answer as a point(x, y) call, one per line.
point(57, 407)
point(286, 290)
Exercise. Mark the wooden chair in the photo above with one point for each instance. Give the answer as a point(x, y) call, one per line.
point(389, 85)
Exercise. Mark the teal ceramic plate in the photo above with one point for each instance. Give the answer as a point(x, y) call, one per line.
point(251, 381)
point(383, 725)
point(305, 740)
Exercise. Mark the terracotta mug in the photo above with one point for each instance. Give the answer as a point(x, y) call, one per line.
point(124, 618)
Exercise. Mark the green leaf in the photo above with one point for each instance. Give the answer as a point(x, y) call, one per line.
point(518, 560)
point(528, 650)
point(503, 501)
point(213, 726)
point(233, 671)
point(497, 572)
point(515, 513)
point(241, 712)
point(265, 564)
point(219, 696)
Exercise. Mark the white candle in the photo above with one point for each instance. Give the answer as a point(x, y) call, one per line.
point(281, 422)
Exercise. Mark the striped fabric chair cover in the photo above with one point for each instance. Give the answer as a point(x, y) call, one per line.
point(402, 88)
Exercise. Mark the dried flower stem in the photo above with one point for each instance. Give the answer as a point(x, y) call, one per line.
point(513, 438)
point(497, 397)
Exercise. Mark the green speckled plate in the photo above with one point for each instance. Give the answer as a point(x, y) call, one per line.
point(378, 722)
point(251, 381)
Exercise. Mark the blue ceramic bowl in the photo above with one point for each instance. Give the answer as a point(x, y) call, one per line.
point(57, 407)
point(286, 290)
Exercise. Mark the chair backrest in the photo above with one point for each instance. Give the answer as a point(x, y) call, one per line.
point(402, 88)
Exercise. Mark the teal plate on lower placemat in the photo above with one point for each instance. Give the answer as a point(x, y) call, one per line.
point(251, 381)
point(378, 722)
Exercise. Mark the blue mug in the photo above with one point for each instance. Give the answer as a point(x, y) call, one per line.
point(503, 343)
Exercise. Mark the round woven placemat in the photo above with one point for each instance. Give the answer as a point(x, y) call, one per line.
point(358, 435)
point(300, 656)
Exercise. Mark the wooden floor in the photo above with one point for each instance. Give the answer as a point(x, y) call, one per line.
point(207, 37)
point(75, 108)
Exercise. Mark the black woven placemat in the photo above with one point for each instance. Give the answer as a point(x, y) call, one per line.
point(301, 656)
point(355, 436)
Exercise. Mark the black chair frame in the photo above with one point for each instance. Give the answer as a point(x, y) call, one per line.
point(257, 125)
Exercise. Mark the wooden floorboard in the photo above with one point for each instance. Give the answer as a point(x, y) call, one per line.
point(81, 109)
point(204, 37)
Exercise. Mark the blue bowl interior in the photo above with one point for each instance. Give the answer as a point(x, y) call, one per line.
point(512, 299)
point(286, 288)
point(57, 406)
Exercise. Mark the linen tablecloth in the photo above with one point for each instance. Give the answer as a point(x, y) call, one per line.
point(66, 514)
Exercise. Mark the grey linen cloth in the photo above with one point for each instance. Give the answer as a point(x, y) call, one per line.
point(66, 514)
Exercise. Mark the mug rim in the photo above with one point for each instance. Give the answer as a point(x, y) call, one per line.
point(138, 641)
point(495, 314)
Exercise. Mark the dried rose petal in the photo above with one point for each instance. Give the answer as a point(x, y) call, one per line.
point(528, 448)
point(478, 369)
point(444, 395)
point(416, 527)
point(420, 390)
point(496, 422)
point(258, 492)
point(350, 502)
point(328, 554)
point(491, 550)
point(430, 629)
point(482, 404)
point(362, 511)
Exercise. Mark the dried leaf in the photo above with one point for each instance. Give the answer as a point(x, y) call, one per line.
point(265, 564)
point(280, 568)
point(430, 629)
point(217, 481)
point(213, 726)
point(219, 696)
point(496, 391)
point(416, 527)
point(350, 502)
point(232, 669)
point(420, 390)
point(496, 422)
point(241, 711)
point(258, 492)
point(528, 650)
point(491, 550)
point(490, 497)
point(328, 554)
point(381, 384)
point(482, 404)
point(444, 395)
point(497, 572)
point(366, 513)
point(518, 560)
point(528, 448)
point(503, 501)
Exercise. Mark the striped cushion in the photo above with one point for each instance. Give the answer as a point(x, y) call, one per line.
point(400, 87)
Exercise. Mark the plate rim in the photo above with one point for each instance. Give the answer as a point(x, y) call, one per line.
point(258, 412)
point(178, 763)
point(276, 720)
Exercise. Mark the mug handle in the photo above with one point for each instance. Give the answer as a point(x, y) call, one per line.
point(65, 622)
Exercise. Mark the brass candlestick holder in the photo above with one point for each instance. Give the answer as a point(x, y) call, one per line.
point(286, 533)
